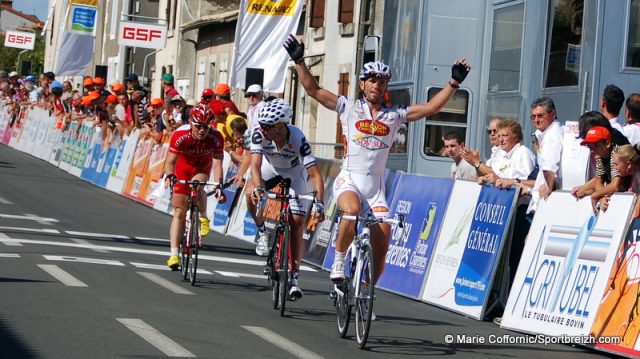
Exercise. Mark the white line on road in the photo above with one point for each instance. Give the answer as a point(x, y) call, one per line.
point(238, 275)
point(10, 244)
point(163, 267)
point(152, 239)
point(148, 251)
point(84, 241)
point(39, 230)
point(31, 217)
point(5, 201)
point(155, 338)
point(59, 274)
point(9, 255)
point(96, 235)
point(165, 283)
point(83, 260)
point(282, 342)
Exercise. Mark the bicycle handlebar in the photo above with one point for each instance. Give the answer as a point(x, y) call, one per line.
point(398, 220)
point(286, 197)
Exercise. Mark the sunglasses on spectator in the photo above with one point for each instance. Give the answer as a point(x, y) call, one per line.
point(252, 94)
point(491, 130)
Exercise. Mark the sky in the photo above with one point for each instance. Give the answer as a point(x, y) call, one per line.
point(33, 7)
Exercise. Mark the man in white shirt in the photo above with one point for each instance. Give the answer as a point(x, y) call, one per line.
point(611, 103)
point(632, 115)
point(473, 156)
point(460, 169)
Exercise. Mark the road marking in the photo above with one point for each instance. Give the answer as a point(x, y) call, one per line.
point(59, 274)
point(7, 243)
point(5, 201)
point(163, 267)
point(30, 217)
point(155, 338)
point(151, 239)
point(282, 342)
point(165, 283)
point(83, 260)
point(259, 263)
point(84, 241)
point(238, 275)
point(96, 235)
point(9, 255)
point(39, 230)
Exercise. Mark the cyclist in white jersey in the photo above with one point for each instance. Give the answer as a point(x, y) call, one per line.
point(368, 125)
point(280, 150)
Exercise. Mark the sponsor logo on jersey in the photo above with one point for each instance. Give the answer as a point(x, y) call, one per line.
point(377, 209)
point(370, 142)
point(375, 128)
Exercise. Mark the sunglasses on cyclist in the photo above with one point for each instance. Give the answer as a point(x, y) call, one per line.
point(266, 127)
point(200, 127)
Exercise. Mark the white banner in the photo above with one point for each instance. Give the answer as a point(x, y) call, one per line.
point(262, 27)
point(565, 265)
point(20, 40)
point(148, 36)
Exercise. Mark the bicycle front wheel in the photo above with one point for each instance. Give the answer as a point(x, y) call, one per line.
point(343, 308)
point(364, 296)
point(194, 235)
point(272, 265)
point(185, 251)
point(283, 269)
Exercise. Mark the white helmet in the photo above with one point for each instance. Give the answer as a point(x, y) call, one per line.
point(274, 112)
point(375, 68)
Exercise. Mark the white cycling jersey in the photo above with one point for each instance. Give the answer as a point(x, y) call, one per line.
point(368, 140)
point(295, 152)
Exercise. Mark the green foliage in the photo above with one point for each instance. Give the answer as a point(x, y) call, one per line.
point(9, 56)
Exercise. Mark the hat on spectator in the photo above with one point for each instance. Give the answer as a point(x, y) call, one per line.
point(13, 74)
point(111, 99)
point(30, 78)
point(98, 81)
point(56, 84)
point(223, 89)
point(207, 92)
point(217, 107)
point(88, 81)
point(94, 95)
point(168, 78)
point(86, 101)
point(117, 87)
point(253, 89)
point(596, 134)
point(132, 77)
point(157, 102)
point(177, 98)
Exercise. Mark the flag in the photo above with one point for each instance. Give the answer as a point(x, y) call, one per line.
point(262, 27)
point(76, 41)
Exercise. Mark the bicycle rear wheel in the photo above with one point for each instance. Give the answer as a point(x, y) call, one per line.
point(185, 251)
point(364, 296)
point(193, 246)
point(283, 269)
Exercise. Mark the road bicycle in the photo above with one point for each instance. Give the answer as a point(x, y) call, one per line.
point(191, 241)
point(356, 291)
point(278, 266)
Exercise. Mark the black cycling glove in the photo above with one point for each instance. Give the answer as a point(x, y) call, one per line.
point(459, 72)
point(294, 48)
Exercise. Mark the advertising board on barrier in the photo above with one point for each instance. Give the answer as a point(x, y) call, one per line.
point(104, 167)
point(565, 265)
point(468, 248)
point(93, 155)
point(220, 212)
point(122, 162)
point(242, 225)
point(408, 257)
point(152, 176)
point(133, 183)
point(4, 122)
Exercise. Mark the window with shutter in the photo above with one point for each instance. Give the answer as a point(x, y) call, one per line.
point(317, 14)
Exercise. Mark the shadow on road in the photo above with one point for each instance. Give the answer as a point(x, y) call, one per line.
point(13, 346)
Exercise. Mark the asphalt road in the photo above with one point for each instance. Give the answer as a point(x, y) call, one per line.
point(82, 275)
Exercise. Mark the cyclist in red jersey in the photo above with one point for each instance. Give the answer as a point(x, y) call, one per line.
point(194, 149)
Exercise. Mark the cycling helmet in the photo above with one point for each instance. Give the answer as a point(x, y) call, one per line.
point(201, 114)
point(274, 112)
point(377, 69)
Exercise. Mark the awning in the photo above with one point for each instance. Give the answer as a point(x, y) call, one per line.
point(217, 18)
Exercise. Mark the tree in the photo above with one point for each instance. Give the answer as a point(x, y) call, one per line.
point(9, 56)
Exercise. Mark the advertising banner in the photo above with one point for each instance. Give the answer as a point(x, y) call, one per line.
point(104, 167)
point(220, 212)
point(91, 159)
point(242, 225)
point(154, 172)
point(565, 265)
point(20, 39)
point(144, 35)
point(133, 183)
point(5, 118)
point(618, 316)
point(70, 137)
point(409, 256)
point(82, 18)
point(122, 162)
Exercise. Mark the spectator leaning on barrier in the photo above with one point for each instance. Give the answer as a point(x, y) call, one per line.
point(632, 115)
point(179, 110)
point(607, 180)
point(626, 160)
point(514, 160)
point(140, 103)
point(240, 147)
point(460, 169)
point(610, 103)
point(359, 187)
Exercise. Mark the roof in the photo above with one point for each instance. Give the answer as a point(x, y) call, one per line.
point(39, 24)
point(222, 17)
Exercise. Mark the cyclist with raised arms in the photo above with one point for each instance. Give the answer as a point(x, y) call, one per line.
point(194, 149)
point(280, 150)
point(369, 126)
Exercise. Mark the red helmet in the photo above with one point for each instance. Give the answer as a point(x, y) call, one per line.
point(201, 114)
point(207, 92)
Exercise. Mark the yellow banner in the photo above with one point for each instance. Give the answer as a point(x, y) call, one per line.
point(85, 2)
point(272, 8)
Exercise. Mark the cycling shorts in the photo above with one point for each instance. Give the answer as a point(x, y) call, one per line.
point(298, 177)
point(186, 171)
point(369, 189)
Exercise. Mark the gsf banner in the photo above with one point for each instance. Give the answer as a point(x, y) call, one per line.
point(20, 40)
point(148, 36)
point(565, 265)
